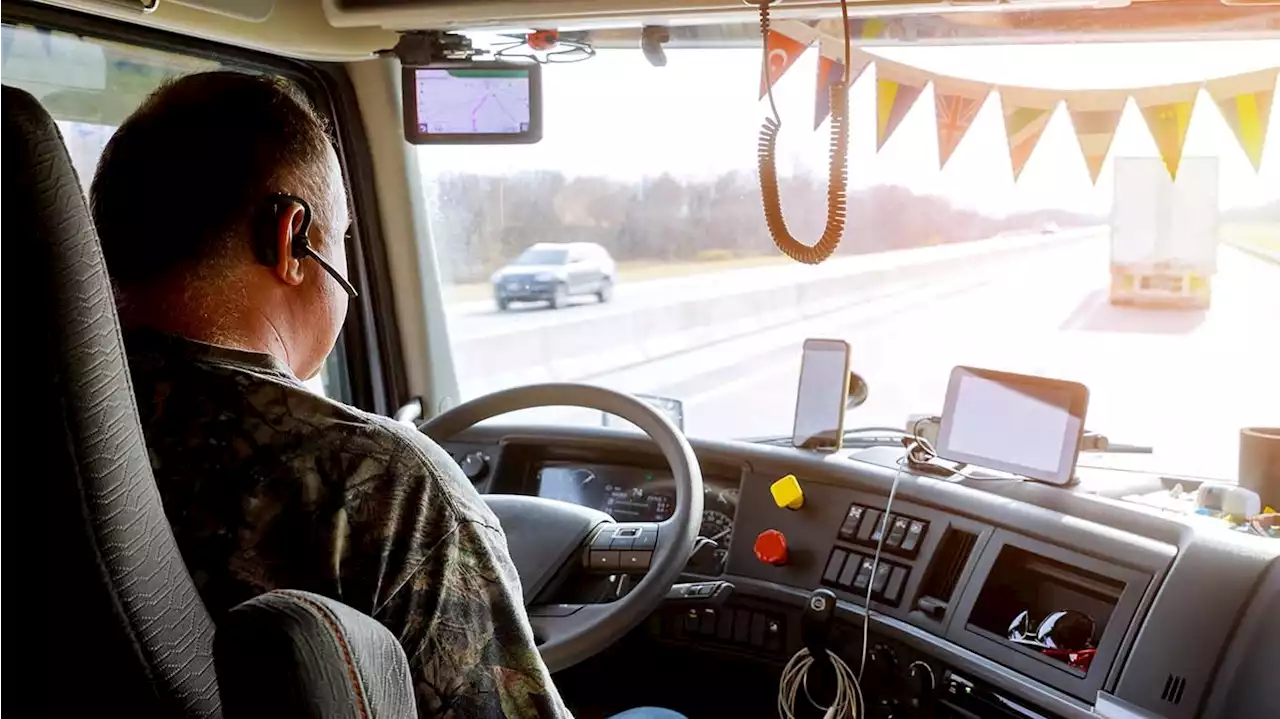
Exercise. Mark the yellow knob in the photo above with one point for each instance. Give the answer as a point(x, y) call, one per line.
point(787, 493)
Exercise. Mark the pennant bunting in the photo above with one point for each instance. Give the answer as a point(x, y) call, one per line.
point(787, 41)
point(830, 72)
point(1245, 102)
point(897, 87)
point(1095, 115)
point(1167, 111)
point(956, 103)
point(1026, 114)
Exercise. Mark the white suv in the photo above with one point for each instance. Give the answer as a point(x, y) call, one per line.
point(552, 272)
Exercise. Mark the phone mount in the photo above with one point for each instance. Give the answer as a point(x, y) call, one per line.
point(858, 391)
point(424, 47)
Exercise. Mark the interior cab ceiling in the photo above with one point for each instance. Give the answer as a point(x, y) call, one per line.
point(344, 30)
point(588, 14)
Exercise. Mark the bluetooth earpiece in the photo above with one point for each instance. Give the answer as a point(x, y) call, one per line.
point(265, 245)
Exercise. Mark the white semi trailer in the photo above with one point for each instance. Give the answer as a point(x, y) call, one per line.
point(1164, 233)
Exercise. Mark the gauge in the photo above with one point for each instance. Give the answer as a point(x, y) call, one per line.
point(716, 526)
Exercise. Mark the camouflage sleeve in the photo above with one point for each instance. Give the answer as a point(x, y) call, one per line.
point(443, 581)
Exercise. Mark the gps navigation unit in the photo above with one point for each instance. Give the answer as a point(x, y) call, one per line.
point(473, 103)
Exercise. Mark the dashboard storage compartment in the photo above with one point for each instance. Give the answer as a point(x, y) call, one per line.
point(1048, 612)
point(1034, 597)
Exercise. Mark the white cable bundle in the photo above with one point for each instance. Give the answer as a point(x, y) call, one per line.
point(795, 675)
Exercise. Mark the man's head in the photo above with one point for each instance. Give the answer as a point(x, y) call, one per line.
point(184, 202)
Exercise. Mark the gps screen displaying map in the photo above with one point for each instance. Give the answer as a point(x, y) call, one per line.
point(467, 101)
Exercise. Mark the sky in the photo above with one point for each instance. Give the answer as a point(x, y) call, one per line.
point(617, 116)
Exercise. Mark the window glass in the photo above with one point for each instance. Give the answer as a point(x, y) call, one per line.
point(90, 86)
point(939, 266)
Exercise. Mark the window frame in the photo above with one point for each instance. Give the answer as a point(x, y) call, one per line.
point(369, 348)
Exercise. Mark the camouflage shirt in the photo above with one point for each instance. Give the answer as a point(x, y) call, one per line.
point(268, 485)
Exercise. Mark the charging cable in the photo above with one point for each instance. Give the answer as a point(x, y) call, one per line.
point(875, 566)
point(795, 676)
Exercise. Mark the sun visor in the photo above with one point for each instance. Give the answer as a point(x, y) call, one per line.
point(248, 10)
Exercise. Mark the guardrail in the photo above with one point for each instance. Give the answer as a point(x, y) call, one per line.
point(729, 304)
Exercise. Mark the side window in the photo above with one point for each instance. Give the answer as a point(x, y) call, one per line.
point(90, 86)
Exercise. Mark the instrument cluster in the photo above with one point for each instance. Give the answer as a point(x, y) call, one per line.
point(638, 494)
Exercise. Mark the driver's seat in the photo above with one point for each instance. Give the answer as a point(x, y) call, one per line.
point(123, 629)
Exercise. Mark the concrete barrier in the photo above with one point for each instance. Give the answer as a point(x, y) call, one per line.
point(727, 305)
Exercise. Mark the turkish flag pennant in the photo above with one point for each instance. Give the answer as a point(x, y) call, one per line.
point(783, 51)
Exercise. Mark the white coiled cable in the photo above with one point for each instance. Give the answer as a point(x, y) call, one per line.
point(795, 676)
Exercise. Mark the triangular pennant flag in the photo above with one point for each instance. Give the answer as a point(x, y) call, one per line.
point(893, 100)
point(1245, 102)
point(1023, 127)
point(783, 50)
point(1095, 115)
point(830, 72)
point(1167, 111)
point(956, 104)
point(1026, 113)
point(897, 87)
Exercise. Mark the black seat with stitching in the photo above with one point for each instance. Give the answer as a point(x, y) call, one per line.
point(123, 630)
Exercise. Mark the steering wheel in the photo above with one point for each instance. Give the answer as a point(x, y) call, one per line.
point(545, 535)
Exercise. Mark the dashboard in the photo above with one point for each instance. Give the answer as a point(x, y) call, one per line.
point(974, 580)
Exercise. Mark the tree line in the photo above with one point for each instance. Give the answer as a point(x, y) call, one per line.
point(481, 222)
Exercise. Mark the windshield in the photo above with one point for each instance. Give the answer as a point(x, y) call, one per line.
point(541, 257)
point(1162, 301)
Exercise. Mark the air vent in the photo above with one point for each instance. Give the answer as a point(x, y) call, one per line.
point(1173, 687)
point(940, 580)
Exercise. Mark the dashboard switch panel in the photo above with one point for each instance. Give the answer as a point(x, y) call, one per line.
point(851, 571)
point(902, 534)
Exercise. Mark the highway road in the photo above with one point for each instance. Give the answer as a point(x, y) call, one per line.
point(1182, 381)
point(482, 318)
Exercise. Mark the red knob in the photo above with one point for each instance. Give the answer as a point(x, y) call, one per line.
point(771, 547)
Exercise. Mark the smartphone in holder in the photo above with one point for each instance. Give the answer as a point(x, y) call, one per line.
point(821, 397)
